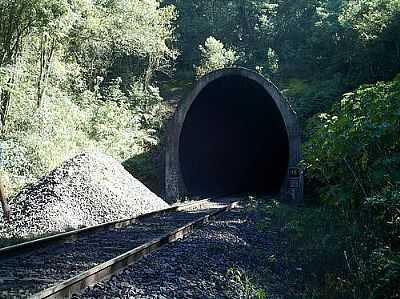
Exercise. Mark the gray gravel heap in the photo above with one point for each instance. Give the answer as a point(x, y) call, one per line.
point(89, 189)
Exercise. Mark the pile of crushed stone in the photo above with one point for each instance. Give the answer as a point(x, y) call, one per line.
point(89, 189)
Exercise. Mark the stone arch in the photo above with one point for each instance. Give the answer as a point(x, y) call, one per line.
point(234, 133)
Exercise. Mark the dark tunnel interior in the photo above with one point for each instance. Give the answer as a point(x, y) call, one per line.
point(233, 140)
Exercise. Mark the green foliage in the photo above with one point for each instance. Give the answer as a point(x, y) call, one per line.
point(354, 149)
point(381, 215)
point(124, 39)
point(331, 45)
point(333, 255)
point(353, 152)
point(243, 285)
point(65, 86)
point(311, 97)
point(214, 56)
point(317, 236)
point(272, 62)
point(148, 167)
point(39, 140)
point(371, 19)
point(78, 75)
point(384, 275)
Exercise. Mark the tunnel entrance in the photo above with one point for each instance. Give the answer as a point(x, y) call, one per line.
point(233, 140)
point(234, 133)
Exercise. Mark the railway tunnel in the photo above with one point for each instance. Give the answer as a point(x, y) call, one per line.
point(233, 134)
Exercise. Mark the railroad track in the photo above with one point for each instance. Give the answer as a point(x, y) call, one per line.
point(64, 264)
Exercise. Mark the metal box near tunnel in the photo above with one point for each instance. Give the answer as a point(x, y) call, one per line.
point(295, 186)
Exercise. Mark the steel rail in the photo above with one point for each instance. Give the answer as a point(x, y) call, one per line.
point(105, 270)
point(27, 247)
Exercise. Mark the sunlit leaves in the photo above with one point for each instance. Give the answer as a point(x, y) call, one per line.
point(353, 143)
point(92, 57)
point(214, 56)
point(370, 18)
point(139, 34)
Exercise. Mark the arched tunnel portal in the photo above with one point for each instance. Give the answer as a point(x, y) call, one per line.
point(234, 133)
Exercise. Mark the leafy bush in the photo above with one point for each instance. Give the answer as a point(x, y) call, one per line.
point(37, 140)
point(61, 90)
point(354, 150)
point(336, 256)
point(381, 215)
point(311, 97)
point(214, 56)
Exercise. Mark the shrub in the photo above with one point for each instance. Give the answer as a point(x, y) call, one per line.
point(354, 150)
point(39, 139)
point(353, 153)
point(214, 56)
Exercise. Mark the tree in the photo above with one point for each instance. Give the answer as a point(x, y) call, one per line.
point(214, 56)
point(58, 17)
point(375, 25)
point(127, 39)
point(354, 150)
point(242, 25)
point(18, 19)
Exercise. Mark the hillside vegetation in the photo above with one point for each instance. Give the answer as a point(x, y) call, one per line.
point(77, 75)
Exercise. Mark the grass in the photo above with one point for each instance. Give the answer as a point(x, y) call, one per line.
point(243, 285)
point(328, 254)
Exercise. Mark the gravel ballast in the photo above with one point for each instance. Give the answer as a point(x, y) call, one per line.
point(89, 189)
point(203, 265)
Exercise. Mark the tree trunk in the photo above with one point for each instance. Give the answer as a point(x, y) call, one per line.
point(149, 72)
point(46, 56)
point(5, 99)
point(4, 204)
point(244, 18)
point(398, 55)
